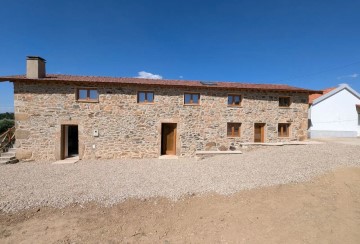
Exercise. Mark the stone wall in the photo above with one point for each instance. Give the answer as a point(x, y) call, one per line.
point(128, 129)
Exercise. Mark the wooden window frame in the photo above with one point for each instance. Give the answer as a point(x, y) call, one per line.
point(232, 126)
point(191, 98)
point(281, 132)
point(288, 97)
point(87, 100)
point(146, 94)
point(233, 104)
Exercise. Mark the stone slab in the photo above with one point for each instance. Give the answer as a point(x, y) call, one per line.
point(22, 134)
point(21, 116)
point(218, 152)
point(71, 160)
point(168, 157)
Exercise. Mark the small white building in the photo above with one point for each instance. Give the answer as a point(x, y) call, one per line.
point(335, 114)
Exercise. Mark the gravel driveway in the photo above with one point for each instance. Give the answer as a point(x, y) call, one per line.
point(28, 185)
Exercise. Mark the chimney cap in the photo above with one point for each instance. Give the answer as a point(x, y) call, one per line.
point(35, 58)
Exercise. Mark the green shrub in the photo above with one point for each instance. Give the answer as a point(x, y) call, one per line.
point(7, 116)
point(6, 124)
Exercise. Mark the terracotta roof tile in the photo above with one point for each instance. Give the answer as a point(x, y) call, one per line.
point(158, 82)
point(314, 96)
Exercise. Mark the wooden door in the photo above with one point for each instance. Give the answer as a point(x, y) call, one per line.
point(168, 143)
point(259, 132)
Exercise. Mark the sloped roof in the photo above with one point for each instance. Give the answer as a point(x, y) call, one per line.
point(334, 91)
point(158, 82)
point(314, 96)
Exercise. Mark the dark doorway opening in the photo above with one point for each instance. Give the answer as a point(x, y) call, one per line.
point(168, 139)
point(73, 141)
point(69, 141)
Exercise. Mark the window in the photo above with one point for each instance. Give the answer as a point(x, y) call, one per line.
point(358, 118)
point(192, 98)
point(145, 97)
point(284, 101)
point(233, 129)
point(283, 130)
point(234, 100)
point(87, 94)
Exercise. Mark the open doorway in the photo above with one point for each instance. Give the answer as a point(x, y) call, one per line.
point(259, 132)
point(168, 139)
point(69, 141)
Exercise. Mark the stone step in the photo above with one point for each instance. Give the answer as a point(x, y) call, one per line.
point(7, 158)
point(12, 161)
point(8, 154)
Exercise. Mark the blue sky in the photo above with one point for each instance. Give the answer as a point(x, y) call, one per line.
point(310, 44)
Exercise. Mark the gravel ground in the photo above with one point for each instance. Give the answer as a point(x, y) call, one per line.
point(29, 185)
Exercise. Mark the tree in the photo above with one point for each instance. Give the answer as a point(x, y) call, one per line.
point(6, 124)
point(7, 115)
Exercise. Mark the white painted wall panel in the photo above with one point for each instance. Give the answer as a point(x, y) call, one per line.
point(336, 113)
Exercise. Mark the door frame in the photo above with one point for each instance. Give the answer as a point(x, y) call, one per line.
point(358, 121)
point(159, 132)
point(174, 127)
point(63, 139)
point(263, 125)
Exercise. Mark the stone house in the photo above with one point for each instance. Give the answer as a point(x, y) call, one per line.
point(104, 117)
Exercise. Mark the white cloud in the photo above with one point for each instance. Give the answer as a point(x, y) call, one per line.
point(352, 76)
point(181, 76)
point(147, 75)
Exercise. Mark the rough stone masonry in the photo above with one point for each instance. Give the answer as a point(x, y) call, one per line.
point(128, 129)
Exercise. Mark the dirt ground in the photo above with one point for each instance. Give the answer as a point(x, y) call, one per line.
point(325, 210)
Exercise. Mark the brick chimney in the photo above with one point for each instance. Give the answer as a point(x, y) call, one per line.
point(35, 67)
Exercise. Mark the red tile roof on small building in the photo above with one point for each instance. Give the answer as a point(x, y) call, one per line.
point(314, 96)
point(160, 82)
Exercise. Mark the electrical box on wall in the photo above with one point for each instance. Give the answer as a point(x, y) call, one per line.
point(96, 133)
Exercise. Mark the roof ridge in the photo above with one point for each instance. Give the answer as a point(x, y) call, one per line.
point(334, 91)
point(160, 82)
point(195, 80)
